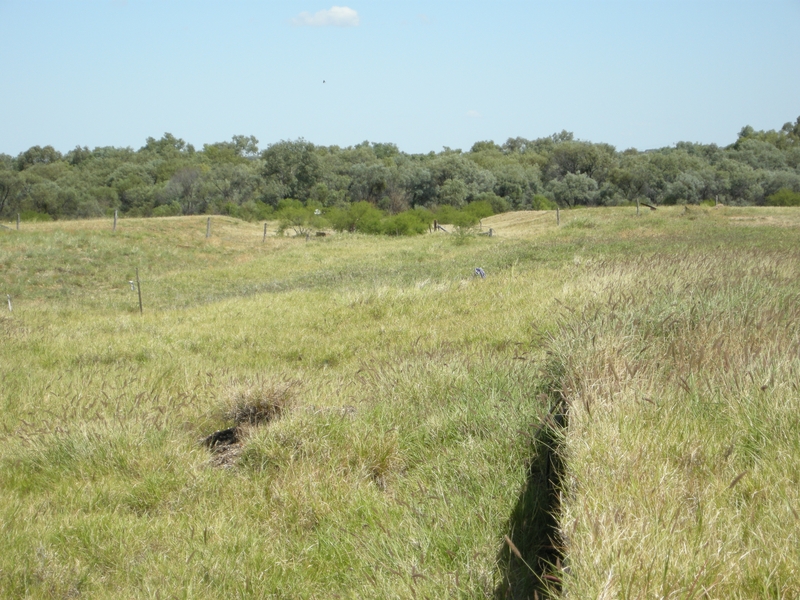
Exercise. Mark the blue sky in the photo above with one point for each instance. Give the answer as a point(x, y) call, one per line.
point(422, 75)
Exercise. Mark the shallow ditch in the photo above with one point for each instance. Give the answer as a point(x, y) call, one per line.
point(532, 555)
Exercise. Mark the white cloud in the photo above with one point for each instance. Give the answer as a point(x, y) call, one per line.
point(473, 114)
point(336, 16)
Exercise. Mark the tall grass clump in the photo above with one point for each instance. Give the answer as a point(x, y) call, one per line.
point(682, 450)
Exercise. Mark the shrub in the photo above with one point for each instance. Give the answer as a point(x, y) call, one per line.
point(359, 216)
point(479, 208)
point(784, 197)
point(167, 210)
point(405, 223)
point(539, 202)
point(255, 211)
point(498, 203)
point(32, 215)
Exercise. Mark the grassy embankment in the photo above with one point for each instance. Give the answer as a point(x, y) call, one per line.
point(413, 391)
point(682, 374)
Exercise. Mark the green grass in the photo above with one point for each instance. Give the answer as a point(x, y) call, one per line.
point(409, 443)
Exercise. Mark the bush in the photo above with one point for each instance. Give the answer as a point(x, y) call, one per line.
point(173, 209)
point(32, 215)
point(444, 213)
point(255, 211)
point(359, 216)
point(300, 219)
point(405, 223)
point(498, 203)
point(480, 209)
point(784, 197)
point(539, 202)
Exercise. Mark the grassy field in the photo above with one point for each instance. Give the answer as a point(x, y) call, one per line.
point(397, 435)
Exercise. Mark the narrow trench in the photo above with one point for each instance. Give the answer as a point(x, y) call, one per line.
point(532, 554)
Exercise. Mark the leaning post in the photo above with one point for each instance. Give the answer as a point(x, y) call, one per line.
point(139, 289)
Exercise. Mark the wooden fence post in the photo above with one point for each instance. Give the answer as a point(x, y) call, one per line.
point(558, 216)
point(9, 302)
point(139, 289)
point(208, 228)
point(17, 221)
point(264, 239)
point(115, 221)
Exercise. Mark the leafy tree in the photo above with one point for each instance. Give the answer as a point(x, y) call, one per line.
point(418, 181)
point(453, 192)
point(11, 186)
point(132, 184)
point(78, 155)
point(239, 150)
point(369, 182)
point(167, 147)
point(291, 169)
point(594, 160)
point(759, 154)
point(488, 146)
point(36, 155)
point(184, 188)
point(574, 189)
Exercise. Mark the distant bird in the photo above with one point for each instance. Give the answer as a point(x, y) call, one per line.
point(133, 285)
point(480, 273)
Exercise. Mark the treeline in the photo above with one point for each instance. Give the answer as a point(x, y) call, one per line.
point(167, 176)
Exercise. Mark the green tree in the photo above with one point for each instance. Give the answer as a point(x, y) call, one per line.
point(574, 189)
point(185, 189)
point(36, 155)
point(291, 169)
point(11, 185)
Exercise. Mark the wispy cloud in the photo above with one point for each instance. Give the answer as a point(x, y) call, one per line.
point(336, 16)
point(472, 114)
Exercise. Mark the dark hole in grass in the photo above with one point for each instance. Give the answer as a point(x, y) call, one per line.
point(532, 554)
point(223, 437)
point(249, 403)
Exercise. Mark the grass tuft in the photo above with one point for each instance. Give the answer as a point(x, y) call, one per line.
point(258, 400)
